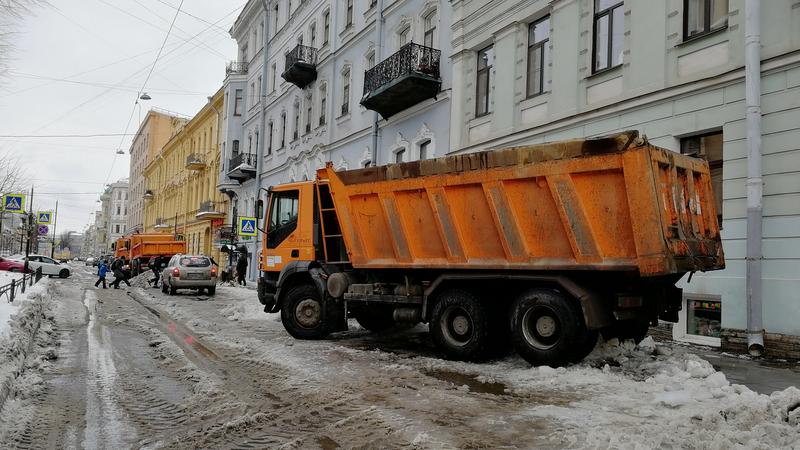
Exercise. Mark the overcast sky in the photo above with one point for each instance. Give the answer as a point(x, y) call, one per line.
point(76, 68)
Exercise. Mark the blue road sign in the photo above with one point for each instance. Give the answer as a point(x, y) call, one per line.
point(14, 203)
point(44, 217)
point(247, 226)
point(43, 230)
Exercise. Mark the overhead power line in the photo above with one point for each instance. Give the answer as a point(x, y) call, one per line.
point(36, 136)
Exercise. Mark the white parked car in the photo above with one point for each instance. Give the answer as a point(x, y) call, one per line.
point(49, 265)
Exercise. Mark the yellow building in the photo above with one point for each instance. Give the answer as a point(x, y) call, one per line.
point(182, 179)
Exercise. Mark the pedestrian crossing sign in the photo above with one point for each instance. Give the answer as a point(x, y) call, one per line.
point(14, 203)
point(247, 226)
point(44, 217)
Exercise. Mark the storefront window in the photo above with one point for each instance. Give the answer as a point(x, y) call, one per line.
point(703, 317)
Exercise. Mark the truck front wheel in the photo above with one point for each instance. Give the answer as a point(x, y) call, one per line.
point(302, 313)
point(460, 326)
point(547, 328)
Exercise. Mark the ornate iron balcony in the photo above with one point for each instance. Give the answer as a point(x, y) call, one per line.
point(236, 68)
point(242, 167)
point(404, 79)
point(301, 66)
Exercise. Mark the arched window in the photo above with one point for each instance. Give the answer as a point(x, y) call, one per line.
point(370, 59)
point(404, 36)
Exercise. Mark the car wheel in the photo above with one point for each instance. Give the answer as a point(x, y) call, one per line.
point(163, 287)
point(172, 289)
point(212, 290)
point(460, 326)
point(64, 273)
point(14, 270)
point(302, 313)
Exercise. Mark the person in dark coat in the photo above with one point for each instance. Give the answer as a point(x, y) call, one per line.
point(118, 268)
point(101, 274)
point(241, 269)
point(155, 265)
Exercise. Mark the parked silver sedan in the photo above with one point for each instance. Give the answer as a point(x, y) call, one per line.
point(189, 272)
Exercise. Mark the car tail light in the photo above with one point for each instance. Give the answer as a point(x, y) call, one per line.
point(213, 271)
point(176, 273)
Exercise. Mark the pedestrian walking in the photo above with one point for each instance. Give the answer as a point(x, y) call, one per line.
point(118, 268)
point(241, 269)
point(155, 266)
point(101, 274)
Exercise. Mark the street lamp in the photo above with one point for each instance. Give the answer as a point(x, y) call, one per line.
point(144, 96)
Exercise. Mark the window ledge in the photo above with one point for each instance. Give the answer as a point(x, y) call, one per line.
point(698, 37)
point(480, 120)
point(602, 72)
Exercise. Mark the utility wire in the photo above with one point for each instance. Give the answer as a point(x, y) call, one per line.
point(3, 136)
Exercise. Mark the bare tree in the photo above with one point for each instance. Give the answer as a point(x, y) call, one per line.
point(65, 240)
point(12, 11)
point(13, 178)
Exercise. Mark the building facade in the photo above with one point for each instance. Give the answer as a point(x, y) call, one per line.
point(328, 75)
point(538, 70)
point(112, 218)
point(181, 183)
point(156, 129)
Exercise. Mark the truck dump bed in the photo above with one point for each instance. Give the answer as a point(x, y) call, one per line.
point(612, 203)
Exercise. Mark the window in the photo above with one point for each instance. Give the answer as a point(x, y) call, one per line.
point(703, 16)
point(237, 105)
point(252, 93)
point(312, 32)
point(257, 137)
point(258, 92)
point(371, 60)
point(429, 38)
point(282, 217)
point(275, 17)
point(326, 25)
point(398, 155)
point(423, 149)
point(403, 35)
point(485, 62)
point(283, 130)
point(300, 40)
point(372, 3)
point(250, 144)
point(261, 33)
point(273, 74)
point(116, 228)
point(609, 24)
point(703, 316)
point(349, 15)
point(119, 210)
point(538, 56)
point(309, 110)
point(271, 135)
point(345, 92)
point(235, 147)
point(708, 147)
point(323, 104)
point(296, 120)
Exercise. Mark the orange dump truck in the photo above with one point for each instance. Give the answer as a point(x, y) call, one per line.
point(543, 246)
point(139, 248)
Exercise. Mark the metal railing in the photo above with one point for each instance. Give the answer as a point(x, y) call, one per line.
point(193, 159)
point(236, 67)
point(411, 58)
point(301, 53)
point(28, 279)
point(243, 158)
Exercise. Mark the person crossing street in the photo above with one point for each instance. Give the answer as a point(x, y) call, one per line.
point(101, 274)
point(118, 268)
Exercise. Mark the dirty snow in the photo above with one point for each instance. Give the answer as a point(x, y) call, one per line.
point(7, 310)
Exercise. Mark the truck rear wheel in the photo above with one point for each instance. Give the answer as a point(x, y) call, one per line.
point(302, 313)
point(548, 329)
point(460, 326)
point(375, 318)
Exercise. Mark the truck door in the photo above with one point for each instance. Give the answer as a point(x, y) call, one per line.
point(289, 227)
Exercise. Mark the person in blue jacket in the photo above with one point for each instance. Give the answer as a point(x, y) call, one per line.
point(102, 270)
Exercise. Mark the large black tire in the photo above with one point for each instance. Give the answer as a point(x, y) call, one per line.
point(302, 313)
point(460, 326)
point(547, 328)
point(211, 290)
point(15, 270)
point(64, 273)
point(626, 330)
point(172, 289)
point(375, 318)
point(164, 288)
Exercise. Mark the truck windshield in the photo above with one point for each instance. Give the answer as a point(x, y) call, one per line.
point(282, 216)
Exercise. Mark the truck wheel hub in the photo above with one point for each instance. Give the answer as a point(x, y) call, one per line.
point(308, 313)
point(461, 325)
point(545, 326)
point(541, 327)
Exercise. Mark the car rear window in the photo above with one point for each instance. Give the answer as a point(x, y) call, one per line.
point(195, 261)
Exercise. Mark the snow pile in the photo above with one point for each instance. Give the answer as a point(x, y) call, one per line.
point(141, 280)
point(8, 310)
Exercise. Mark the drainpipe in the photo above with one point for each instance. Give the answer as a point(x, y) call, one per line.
point(752, 52)
point(379, 20)
point(262, 128)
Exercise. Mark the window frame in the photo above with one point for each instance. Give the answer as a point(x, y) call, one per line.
point(237, 102)
point(348, 17)
point(273, 242)
point(429, 19)
point(706, 21)
point(326, 26)
point(543, 62)
point(609, 11)
point(488, 70)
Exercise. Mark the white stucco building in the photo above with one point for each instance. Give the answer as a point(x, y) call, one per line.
point(324, 58)
point(112, 218)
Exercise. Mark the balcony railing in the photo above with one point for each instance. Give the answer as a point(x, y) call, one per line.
point(236, 68)
point(161, 223)
point(404, 79)
point(242, 167)
point(209, 210)
point(148, 194)
point(301, 66)
point(194, 162)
